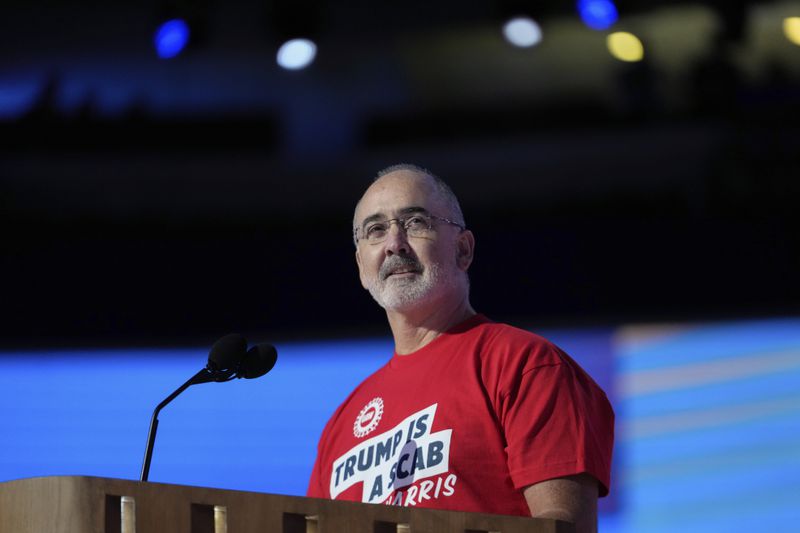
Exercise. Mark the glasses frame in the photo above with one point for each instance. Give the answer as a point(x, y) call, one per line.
point(401, 223)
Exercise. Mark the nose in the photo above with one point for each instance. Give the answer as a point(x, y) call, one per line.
point(396, 241)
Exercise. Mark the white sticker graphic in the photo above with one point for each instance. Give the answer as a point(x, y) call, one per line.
point(367, 420)
point(394, 459)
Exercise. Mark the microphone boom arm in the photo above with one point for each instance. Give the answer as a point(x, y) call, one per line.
point(229, 359)
point(203, 376)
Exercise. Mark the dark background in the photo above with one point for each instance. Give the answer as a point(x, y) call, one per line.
point(148, 201)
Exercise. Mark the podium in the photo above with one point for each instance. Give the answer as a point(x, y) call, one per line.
point(77, 504)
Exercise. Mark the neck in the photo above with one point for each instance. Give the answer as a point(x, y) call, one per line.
point(414, 329)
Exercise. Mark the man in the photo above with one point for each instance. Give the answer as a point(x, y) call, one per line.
point(468, 414)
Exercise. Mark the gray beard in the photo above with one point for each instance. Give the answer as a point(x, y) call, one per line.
point(397, 294)
point(405, 293)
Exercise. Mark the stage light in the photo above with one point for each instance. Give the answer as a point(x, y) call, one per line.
point(625, 46)
point(297, 54)
point(171, 38)
point(791, 28)
point(598, 14)
point(522, 32)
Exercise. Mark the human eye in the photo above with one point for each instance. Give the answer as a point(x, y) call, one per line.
point(417, 223)
point(375, 230)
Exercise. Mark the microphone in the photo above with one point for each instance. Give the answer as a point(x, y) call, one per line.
point(258, 361)
point(228, 358)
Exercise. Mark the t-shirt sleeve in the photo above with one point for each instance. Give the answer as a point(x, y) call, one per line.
point(557, 422)
point(315, 488)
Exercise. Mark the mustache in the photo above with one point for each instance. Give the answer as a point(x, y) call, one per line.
point(397, 262)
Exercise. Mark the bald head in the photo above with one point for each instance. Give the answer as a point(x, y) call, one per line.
point(405, 173)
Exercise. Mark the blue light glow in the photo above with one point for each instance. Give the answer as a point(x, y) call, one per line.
point(296, 54)
point(598, 14)
point(171, 38)
point(523, 32)
point(17, 97)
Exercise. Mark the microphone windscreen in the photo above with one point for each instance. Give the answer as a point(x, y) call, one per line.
point(226, 353)
point(259, 360)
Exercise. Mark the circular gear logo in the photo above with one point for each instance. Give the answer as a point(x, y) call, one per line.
point(367, 420)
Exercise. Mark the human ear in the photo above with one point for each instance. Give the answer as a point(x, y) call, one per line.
point(465, 249)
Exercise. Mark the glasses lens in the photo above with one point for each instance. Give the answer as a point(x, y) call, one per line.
point(375, 231)
point(417, 225)
point(414, 226)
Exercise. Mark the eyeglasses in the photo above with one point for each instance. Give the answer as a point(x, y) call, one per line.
point(414, 225)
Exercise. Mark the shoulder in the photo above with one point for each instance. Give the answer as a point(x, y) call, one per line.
point(509, 345)
point(505, 356)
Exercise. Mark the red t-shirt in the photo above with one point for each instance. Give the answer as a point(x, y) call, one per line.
point(465, 423)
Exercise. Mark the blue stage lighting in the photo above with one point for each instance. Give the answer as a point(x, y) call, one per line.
point(296, 54)
point(598, 14)
point(523, 32)
point(171, 38)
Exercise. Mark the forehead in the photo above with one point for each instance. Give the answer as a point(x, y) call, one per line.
point(397, 191)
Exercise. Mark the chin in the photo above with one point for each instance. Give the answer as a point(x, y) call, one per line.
point(402, 301)
point(413, 292)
